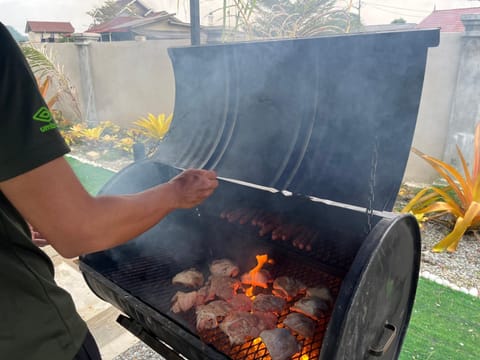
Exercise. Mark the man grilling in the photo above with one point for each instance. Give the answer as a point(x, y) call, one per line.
point(38, 320)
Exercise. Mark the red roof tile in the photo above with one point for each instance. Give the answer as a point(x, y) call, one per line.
point(49, 27)
point(447, 20)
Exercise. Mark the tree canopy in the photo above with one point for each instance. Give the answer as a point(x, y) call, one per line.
point(302, 18)
point(109, 10)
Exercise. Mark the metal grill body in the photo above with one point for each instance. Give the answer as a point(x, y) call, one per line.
point(329, 121)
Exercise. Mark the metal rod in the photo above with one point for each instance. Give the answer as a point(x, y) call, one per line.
point(195, 22)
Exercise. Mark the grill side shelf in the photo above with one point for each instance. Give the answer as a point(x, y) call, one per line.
point(152, 321)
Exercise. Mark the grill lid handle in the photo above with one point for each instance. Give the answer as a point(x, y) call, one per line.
point(389, 333)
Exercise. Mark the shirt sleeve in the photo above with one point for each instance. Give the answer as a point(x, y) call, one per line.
point(28, 134)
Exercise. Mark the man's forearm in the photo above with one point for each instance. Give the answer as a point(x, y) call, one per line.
point(52, 199)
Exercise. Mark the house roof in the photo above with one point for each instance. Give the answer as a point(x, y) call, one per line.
point(127, 23)
point(49, 27)
point(447, 20)
point(114, 25)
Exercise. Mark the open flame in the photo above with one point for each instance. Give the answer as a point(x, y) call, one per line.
point(253, 277)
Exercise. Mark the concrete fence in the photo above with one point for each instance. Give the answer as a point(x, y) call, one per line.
point(121, 81)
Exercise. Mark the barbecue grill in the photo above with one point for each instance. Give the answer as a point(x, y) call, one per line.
point(313, 132)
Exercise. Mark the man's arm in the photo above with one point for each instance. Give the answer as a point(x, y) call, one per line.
point(52, 199)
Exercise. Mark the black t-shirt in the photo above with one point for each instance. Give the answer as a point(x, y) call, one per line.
point(38, 320)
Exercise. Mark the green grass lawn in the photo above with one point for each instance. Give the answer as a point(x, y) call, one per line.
point(92, 177)
point(445, 324)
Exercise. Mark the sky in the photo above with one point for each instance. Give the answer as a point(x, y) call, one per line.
point(17, 12)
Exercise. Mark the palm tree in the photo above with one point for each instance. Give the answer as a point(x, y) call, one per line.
point(302, 18)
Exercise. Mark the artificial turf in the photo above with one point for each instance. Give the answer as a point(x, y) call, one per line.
point(92, 177)
point(445, 325)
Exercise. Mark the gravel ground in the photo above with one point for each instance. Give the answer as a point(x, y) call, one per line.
point(139, 351)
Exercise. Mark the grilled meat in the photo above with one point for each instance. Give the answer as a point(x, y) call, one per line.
point(241, 302)
point(300, 324)
point(280, 343)
point(312, 307)
point(208, 315)
point(321, 292)
point(287, 287)
point(190, 278)
point(267, 320)
point(183, 301)
point(224, 287)
point(248, 216)
point(242, 326)
point(268, 303)
point(224, 267)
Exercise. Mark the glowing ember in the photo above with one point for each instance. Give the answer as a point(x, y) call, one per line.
point(304, 357)
point(256, 341)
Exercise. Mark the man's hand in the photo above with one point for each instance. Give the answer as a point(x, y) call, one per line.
point(193, 186)
point(37, 238)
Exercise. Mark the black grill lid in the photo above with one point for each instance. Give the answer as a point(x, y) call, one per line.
point(331, 117)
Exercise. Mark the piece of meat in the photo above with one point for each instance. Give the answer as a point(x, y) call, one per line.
point(291, 230)
point(287, 287)
point(301, 240)
point(209, 315)
point(280, 343)
point(268, 303)
point(190, 278)
point(262, 218)
point(242, 326)
point(267, 320)
point(224, 267)
point(248, 216)
point(277, 232)
point(321, 292)
point(224, 287)
point(234, 215)
point(313, 307)
point(269, 224)
point(183, 301)
point(241, 302)
point(203, 295)
point(261, 278)
point(300, 324)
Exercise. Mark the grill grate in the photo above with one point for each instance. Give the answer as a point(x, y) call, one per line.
point(148, 278)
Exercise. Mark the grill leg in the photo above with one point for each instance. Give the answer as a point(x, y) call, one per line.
point(137, 330)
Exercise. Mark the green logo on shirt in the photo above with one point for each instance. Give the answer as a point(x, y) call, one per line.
point(44, 115)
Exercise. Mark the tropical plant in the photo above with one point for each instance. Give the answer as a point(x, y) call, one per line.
point(111, 9)
point(303, 18)
point(153, 129)
point(93, 134)
point(43, 88)
point(460, 199)
point(42, 63)
point(286, 18)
